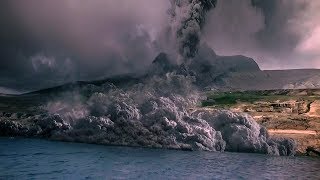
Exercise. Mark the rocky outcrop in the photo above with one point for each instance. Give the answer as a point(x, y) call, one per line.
point(309, 82)
point(293, 107)
point(314, 109)
point(162, 65)
point(311, 150)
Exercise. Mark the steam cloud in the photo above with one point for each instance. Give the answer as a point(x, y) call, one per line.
point(188, 19)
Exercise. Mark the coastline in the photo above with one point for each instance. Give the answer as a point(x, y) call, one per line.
point(286, 113)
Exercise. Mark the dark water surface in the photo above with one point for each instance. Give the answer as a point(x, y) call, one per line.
point(40, 159)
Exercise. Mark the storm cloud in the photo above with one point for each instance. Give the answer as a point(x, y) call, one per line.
point(45, 43)
point(278, 34)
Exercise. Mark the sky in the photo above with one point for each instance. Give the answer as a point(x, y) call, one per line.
point(45, 43)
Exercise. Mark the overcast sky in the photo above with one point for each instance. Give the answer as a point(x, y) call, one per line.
point(45, 43)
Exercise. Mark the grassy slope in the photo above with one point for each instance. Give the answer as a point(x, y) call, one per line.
point(227, 99)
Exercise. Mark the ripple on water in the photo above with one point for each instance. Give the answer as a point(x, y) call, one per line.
point(39, 159)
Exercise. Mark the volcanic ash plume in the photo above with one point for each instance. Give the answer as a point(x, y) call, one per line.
point(188, 19)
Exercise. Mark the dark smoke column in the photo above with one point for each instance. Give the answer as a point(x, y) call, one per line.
point(188, 19)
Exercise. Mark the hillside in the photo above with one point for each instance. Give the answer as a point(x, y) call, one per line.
point(214, 72)
point(273, 79)
point(211, 72)
point(285, 113)
point(48, 111)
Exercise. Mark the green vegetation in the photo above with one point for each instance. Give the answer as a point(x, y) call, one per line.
point(230, 98)
point(222, 99)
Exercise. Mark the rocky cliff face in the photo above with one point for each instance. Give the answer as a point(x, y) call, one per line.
point(314, 109)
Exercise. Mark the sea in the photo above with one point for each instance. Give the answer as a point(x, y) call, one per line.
point(23, 158)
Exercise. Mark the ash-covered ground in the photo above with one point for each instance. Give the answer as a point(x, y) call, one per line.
point(151, 110)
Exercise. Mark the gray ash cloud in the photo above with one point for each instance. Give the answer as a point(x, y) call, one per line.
point(45, 43)
point(154, 113)
point(188, 19)
point(278, 34)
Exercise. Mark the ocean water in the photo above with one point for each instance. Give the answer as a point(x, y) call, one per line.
point(40, 159)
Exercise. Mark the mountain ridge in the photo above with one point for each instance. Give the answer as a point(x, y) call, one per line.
point(211, 71)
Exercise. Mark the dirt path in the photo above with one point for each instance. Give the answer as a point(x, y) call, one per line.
point(289, 131)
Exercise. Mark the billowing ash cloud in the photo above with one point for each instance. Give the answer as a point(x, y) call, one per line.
point(46, 43)
point(276, 33)
point(154, 114)
point(188, 19)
